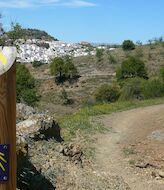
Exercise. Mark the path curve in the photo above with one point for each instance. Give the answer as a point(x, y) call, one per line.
point(129, 128)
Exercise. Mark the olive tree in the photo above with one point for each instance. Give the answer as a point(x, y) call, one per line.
point(132, 67)
point(63, 68)
point(128, 45)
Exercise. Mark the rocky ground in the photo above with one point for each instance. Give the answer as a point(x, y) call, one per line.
point(46, 162)
point(129, 156)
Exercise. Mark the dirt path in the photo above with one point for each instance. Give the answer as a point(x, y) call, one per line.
point(143, 131)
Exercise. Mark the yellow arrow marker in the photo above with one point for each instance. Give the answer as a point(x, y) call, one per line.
point(2, 167)
point(3, 59)
point(2, 159)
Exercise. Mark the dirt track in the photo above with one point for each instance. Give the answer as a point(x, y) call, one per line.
point(134, 136)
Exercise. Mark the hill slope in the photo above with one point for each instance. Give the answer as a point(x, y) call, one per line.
point(37, 34)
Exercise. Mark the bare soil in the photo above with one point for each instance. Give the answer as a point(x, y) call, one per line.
point(133, 149)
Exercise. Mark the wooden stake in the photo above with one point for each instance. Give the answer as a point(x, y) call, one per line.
point(8, 123)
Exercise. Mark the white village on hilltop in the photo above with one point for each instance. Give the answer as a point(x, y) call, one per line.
point(40, 50)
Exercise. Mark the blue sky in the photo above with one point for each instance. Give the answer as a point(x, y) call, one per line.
point(108, 21)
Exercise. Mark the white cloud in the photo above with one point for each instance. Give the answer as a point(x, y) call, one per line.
point(14, 4)
point(38, 3)
point(79, 3)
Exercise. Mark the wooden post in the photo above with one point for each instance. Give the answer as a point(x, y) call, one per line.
point(8, 125)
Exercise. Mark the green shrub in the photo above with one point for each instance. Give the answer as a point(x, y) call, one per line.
point(128, 45)
point(63, 69)
point(153, 89)
point(70, 69)
point(25, 86)
point(119, 74)
point(29, 96)
point(132, 89)
point(16, 32)
point(57, 67)
point(107, 93)
point(138, 88)
point(112, 59)
point(37, 64)
point(130, 68)
point(99, 54)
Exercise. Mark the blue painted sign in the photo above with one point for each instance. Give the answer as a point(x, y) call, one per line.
point(4, 162)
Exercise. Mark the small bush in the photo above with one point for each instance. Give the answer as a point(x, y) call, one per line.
point(29, 96)
point(128, 45)
point(107, 93)
point(112, 59)
point(16, 32)
point(138, 88)
point(130, 68)
point(119, 74)
point(153, 89)
point(132, 89)
point(99, 54)
point(37, 64)
point(25, 86)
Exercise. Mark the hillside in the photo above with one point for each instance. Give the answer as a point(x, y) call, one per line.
point(70, 136)
point(92, 75)
point(37, 34)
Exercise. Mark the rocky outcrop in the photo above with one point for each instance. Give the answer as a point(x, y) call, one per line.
point(28, 177)
point(48, 130)
point(39, 126)
point(23, 112)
